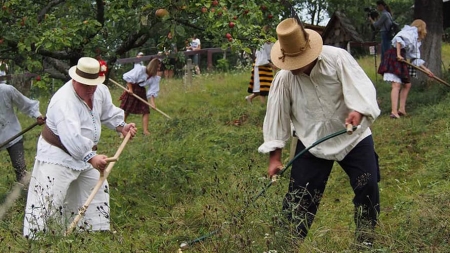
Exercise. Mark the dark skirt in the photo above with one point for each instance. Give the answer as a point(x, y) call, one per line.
point(390, 64)
point(265, 79)
point(131, 104)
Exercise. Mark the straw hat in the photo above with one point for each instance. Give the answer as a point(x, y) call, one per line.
point(87, 71)
point(294, 48)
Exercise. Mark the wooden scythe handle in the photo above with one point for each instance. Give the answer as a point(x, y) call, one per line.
point(142, 100)
point(97, 187)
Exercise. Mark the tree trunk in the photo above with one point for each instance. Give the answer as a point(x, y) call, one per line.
point(430, 11)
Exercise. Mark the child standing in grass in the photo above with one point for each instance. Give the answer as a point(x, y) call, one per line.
point(139, 78)
point(405, 45)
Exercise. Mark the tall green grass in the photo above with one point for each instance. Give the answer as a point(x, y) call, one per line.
point(196, 171)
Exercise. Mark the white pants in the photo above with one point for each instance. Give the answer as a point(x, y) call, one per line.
point(55, 195)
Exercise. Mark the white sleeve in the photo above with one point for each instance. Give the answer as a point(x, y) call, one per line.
point(111, 115)
point(153, 89)
point(24, 104)
point(133, 75)
point(277, 123)
point(359, 91)
point(67, 122)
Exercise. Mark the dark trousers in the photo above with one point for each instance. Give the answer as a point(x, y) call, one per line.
point(309, 177)
point(17, 155)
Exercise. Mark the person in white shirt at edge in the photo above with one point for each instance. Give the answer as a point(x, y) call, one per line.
point(193, 46)
point(321, 89)
point(67, 165)
point(262, 74)
point(10, 98)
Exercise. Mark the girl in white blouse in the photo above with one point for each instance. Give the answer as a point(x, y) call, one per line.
point(405, 45)
point(138, 80)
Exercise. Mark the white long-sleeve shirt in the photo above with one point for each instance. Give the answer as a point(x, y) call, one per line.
point(408, 38)
point(9, 124)
point(139, 75)
point(78, 127)
point(318, 105)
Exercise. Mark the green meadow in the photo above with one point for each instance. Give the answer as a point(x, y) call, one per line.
point(195, 172)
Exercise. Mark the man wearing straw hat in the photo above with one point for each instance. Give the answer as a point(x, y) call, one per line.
point(321, 89)
point(67, 165)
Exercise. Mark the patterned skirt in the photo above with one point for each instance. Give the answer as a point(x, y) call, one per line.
point(390, 64)
point(265, 79)
point(131, 104)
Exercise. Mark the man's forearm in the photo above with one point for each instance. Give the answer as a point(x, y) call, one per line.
point(275, 155)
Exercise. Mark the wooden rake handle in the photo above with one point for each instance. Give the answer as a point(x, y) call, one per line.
point(142, 100)
point(19, 134)
point(423, 71)
point(101, 180)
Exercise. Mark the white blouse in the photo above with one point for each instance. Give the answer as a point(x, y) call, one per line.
point(9, 124)
point(79, 127)
point(263, 54)
point(318, 105)
point(408, 37)
point(138, 75)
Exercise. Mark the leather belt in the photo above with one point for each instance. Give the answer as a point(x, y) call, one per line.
point(53, 139)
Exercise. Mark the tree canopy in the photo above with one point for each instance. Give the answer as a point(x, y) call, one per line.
point(49, 36)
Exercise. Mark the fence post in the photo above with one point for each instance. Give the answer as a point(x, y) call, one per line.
point(188, 74)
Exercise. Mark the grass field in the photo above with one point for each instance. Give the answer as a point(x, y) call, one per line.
point(194, 172)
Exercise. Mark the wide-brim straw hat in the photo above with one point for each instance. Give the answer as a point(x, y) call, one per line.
point(87, 71)
point(294, 49)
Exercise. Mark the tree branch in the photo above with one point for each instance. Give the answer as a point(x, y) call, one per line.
point(100, 12)
point(44, 11)
point(186, 23)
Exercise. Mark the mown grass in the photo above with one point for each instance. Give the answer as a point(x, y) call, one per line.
point(199, 169)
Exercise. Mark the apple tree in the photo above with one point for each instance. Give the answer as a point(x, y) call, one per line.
point(47, 37)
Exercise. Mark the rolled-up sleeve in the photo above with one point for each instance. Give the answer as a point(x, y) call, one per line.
point(360, 93)
point(134, 74)
point(277, 126)
point(111, 115)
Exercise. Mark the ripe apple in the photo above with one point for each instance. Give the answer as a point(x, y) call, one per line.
point(219, 13)
point(161, 13)
point(212, 10)
point(228, 35)
point(231, 24)
point(263, 7)
point(204, 9)
point(235, 17)
point(38, 78)
point(215, 3)
point(246, 11)
point(270, 16)
point(230, 39)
